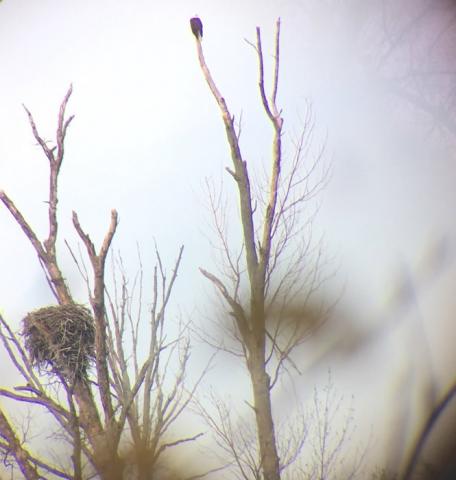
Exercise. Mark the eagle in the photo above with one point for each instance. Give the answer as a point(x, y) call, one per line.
point(197, 27)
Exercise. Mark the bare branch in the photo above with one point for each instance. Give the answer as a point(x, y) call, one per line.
point(240, 170)
point(9, 204)
point(38, 399)
point(237, 310)
point(20, 454)
point(49, 152)
point(179, 442)
point(23, 365)
point(276, 69)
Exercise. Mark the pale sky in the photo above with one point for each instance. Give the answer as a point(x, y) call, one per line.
point(147, 133)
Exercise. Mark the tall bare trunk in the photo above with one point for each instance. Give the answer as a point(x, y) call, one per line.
point(263, 414)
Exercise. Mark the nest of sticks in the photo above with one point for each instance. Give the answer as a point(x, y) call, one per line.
point(61, 340)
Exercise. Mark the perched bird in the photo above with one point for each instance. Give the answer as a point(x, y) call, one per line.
point(197, 27)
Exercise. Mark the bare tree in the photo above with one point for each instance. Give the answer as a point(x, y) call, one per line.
point(128, 400)
point(274, 265)
point(154, 403)
point(315, 442)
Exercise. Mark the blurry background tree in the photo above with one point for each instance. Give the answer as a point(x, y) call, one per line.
point(113, 403)
point(410, 47)
point(414, 42)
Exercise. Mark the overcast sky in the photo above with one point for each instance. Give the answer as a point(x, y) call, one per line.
point(147, 133)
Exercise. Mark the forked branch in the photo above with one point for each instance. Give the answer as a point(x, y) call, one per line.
point(240, 173)
point(98, 304)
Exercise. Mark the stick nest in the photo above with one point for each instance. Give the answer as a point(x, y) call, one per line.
point(60, 340)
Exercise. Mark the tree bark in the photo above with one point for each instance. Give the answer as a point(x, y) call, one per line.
point(263, 414)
